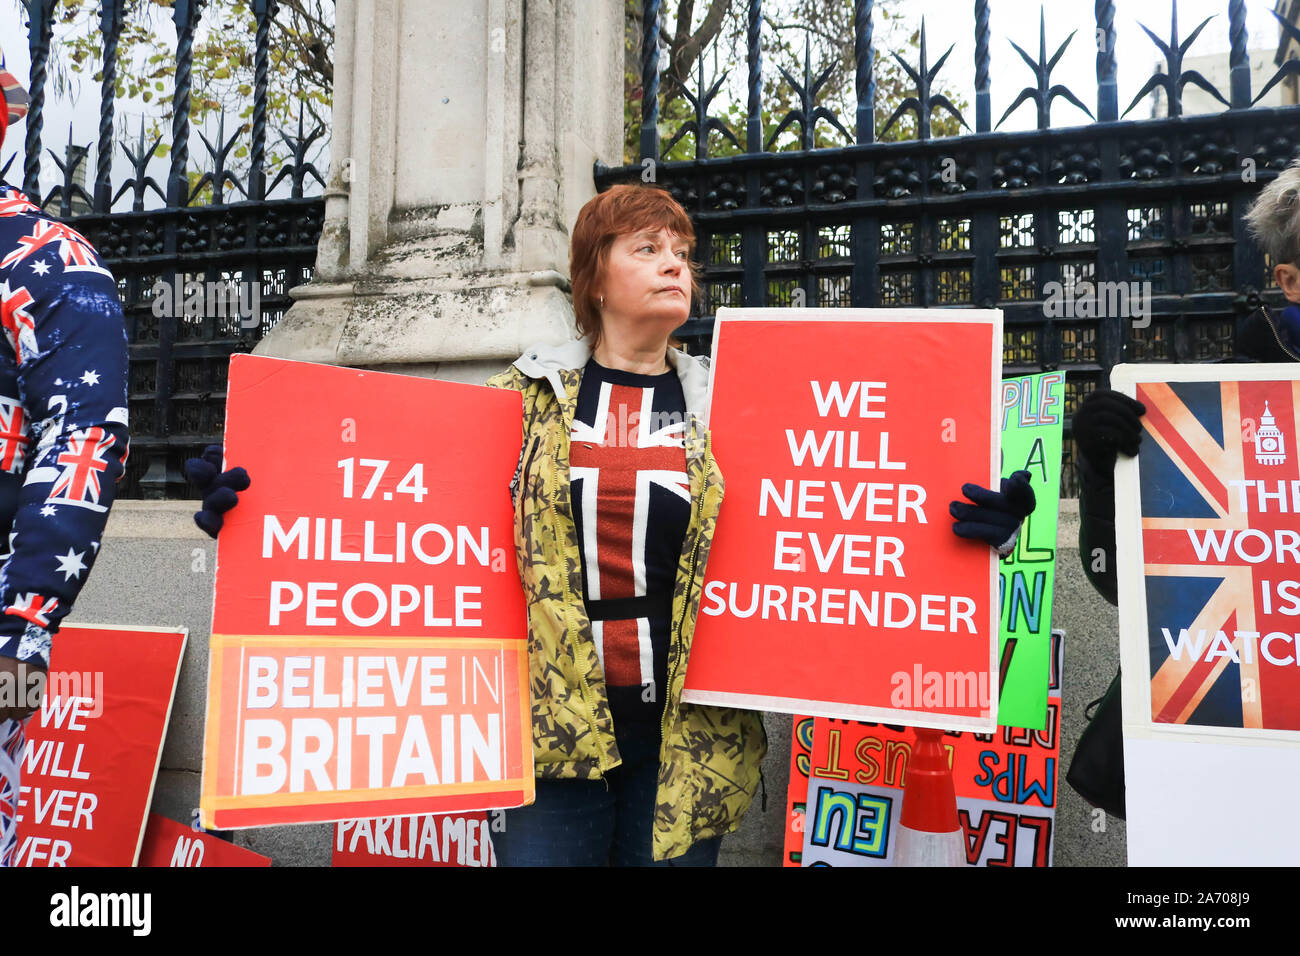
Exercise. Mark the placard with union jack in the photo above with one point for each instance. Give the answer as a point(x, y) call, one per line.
point(1208, 549)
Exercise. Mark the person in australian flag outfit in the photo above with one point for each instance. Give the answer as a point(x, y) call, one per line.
point(63, 442)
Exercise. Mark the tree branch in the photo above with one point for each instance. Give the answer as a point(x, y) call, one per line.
point(684, 49)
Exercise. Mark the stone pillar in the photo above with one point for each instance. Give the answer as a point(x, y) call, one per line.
point(464, 137)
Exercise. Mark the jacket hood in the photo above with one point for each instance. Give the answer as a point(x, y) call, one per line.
point(547, 361)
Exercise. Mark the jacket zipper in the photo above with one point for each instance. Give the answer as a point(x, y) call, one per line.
point(531, 454)
point(1273, 328)
point(690, 586)
point(523, 472)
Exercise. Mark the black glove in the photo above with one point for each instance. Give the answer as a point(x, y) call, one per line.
point(219, 488)
point(1106, 422)
point(995, 517)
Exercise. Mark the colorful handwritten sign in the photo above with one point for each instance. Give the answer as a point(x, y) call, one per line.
point(1031, 440)
point(1005, 784)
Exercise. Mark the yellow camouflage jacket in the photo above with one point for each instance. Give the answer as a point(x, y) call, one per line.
point(710, 756)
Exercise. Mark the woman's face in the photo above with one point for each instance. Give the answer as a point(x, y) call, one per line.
point(647, 282)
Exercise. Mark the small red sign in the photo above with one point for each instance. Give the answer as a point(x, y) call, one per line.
point(168, 843)
point(92, 750)
point(427, 840)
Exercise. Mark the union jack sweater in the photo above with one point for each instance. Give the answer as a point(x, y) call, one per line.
point(63, 419)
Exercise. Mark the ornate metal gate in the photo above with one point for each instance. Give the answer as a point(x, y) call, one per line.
point(1055, 226)
point(169, 259)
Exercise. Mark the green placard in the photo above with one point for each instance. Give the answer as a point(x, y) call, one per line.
point(1032, 411)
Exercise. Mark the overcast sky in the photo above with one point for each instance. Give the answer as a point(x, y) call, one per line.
point(947, 22)
point(951, 21)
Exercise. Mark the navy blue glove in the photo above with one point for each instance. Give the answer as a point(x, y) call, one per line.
point(996, 516)
point(219, 488)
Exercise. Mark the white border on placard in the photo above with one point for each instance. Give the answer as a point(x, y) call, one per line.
point(184, 632)
point(1135, 656)
point(788, 705)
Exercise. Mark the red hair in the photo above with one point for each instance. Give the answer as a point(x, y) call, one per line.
point(619, 211)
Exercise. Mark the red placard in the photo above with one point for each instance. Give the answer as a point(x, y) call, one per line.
point(168, 843)
point(427, 840)
point(835, 585)
point(92, 750)
point(369, 639)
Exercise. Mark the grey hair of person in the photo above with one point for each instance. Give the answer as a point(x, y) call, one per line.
point(1274, 217)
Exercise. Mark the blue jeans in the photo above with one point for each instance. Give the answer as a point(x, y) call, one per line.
point(597, 822)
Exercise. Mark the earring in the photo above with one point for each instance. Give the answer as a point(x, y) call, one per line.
point(602, 302)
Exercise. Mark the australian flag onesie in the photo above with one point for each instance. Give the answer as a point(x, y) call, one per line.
point(63, 441)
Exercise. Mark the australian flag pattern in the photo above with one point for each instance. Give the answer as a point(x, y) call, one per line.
point(627, 464)
point(1220, 488)
point(63, 419)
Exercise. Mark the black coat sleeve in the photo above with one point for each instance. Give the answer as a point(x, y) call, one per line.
point(1097, 527)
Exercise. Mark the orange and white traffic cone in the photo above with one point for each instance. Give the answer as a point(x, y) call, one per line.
point(929, 833)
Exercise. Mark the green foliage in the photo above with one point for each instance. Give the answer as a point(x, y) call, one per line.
point(205, 194)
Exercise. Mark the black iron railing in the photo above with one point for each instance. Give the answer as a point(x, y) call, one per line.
point(1118, 241)
point(203, 269)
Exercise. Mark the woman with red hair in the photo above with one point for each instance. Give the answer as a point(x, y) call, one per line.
point(616, 501)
